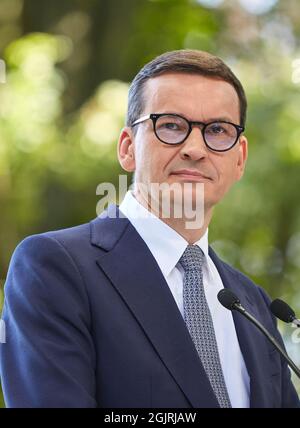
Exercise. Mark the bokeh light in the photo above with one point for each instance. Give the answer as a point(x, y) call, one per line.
point(258, 6)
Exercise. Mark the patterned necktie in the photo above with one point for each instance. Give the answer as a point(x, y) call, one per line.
point(198, 320)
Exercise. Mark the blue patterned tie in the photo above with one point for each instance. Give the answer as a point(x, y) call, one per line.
point(198, 320)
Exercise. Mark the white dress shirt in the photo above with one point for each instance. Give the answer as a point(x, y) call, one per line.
point(167, 247)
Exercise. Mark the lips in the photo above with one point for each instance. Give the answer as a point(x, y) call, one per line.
point(191, 174)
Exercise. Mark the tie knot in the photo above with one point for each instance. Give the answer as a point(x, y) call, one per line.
point(192, 258)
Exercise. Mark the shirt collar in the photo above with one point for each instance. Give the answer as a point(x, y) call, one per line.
point(165, 244)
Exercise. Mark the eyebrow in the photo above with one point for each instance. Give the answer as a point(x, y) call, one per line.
point(218, 119)
point(211, 119)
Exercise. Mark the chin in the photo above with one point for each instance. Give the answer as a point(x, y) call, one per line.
point(185, 205)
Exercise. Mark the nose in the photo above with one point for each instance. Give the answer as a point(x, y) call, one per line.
point(194, 146)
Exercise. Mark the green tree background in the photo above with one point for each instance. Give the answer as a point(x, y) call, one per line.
point(68, 66)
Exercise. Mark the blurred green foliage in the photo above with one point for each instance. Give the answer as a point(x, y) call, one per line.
point(64, 102)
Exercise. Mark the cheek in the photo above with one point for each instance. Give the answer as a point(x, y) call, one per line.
point(153, 160)
point(226, 171)
point(144, 161)
point(229, 175)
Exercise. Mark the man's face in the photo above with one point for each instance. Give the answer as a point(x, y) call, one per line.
point(197, 98)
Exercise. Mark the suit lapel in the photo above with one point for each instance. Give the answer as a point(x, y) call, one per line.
point(251, 340)
point(134, 272)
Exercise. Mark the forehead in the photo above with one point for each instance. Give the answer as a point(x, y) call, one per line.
point(194, 96)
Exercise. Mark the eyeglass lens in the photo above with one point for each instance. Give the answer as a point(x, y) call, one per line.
point(174, 129)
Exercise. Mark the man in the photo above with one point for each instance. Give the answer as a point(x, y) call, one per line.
point(123, 312)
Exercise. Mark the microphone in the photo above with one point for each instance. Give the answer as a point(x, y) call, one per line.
point(284, 312)
point(230, 301)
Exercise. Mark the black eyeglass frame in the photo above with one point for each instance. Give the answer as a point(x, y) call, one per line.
point(155, 116)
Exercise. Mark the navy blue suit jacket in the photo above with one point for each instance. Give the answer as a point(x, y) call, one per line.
point(91, 322)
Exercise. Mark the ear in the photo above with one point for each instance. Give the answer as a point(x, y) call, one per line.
point(126, 153)
point(242, 157)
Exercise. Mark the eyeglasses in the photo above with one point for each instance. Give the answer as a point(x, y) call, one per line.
point(171, 128)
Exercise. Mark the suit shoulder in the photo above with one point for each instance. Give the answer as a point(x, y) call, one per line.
point(44, 263)
point(68, 237)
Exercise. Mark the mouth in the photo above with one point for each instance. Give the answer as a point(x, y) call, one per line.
point(190, 175)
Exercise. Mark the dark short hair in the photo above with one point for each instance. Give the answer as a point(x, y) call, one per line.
point(182, 61)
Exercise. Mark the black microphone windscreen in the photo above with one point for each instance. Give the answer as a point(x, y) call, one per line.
point(282, 310)
point(228, 299)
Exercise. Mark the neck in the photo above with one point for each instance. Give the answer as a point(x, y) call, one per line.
point(191, 235)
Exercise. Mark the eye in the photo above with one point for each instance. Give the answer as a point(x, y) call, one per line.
point(216, 129)
point(171, 125)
